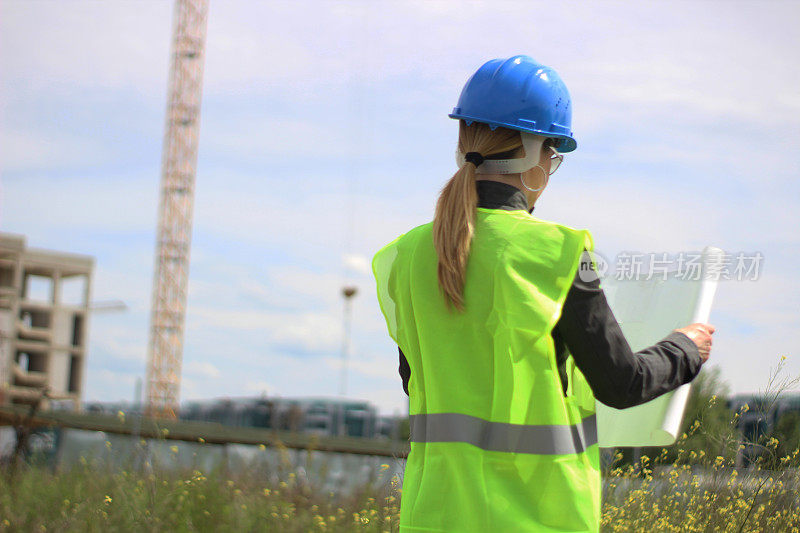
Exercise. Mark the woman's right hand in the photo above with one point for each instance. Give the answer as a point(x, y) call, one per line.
point(701, 335)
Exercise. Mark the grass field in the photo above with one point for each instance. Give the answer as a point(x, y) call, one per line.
point(89, 497)
point(683, 488)
point(646, 496)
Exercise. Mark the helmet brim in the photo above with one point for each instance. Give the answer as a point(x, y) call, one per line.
point(566, 144)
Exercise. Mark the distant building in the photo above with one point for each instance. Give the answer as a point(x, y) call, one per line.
point(760, 417)
point(42, 336)
point(321, 416)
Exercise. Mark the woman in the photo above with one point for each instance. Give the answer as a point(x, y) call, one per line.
point(505, 345)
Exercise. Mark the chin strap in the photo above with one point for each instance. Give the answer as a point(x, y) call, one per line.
point(533, 148)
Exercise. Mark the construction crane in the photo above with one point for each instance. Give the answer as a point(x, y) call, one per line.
point(173, 243)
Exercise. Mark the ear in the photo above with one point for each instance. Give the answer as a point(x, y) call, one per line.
point(546, 146)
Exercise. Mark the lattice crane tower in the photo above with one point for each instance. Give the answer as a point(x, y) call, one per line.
point(178, 166)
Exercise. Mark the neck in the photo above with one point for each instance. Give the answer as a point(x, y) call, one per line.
point(515, 181)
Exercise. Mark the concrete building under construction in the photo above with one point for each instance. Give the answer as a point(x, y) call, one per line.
point(44, 321)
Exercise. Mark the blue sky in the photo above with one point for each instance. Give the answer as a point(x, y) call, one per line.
point(324, 134)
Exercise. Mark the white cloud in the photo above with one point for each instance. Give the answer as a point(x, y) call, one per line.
point(259, 387)
point(312, 332)
point(88, 44)
point(202, 368)
point(122, 201)
point(265, 139)
point(22, 150)
point(120, 340)
point(380, 367)
point(108, 385)
point(358, 263)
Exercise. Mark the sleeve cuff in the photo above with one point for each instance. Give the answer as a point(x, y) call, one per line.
point(687, 345)
point(683, 342)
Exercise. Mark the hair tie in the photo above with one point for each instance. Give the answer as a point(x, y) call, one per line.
point(474, 157)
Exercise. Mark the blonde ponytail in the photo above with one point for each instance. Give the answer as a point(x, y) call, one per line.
point(454, 221)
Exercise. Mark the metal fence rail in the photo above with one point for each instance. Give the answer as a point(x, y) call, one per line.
point(208, 432)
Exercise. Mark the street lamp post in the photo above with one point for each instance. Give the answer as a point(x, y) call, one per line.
point(348, 292)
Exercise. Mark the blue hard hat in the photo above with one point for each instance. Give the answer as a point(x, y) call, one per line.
point(520, 94)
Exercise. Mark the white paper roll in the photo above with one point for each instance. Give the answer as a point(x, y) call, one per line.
point(647, 310)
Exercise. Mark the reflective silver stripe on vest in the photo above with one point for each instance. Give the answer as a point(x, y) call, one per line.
point(504, 437)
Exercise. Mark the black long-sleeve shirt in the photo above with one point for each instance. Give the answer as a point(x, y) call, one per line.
point(587, 328)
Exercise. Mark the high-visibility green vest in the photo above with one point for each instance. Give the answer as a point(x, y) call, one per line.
point(496, 445)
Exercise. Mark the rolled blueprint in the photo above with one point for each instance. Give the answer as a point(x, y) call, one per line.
point(647, 310)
